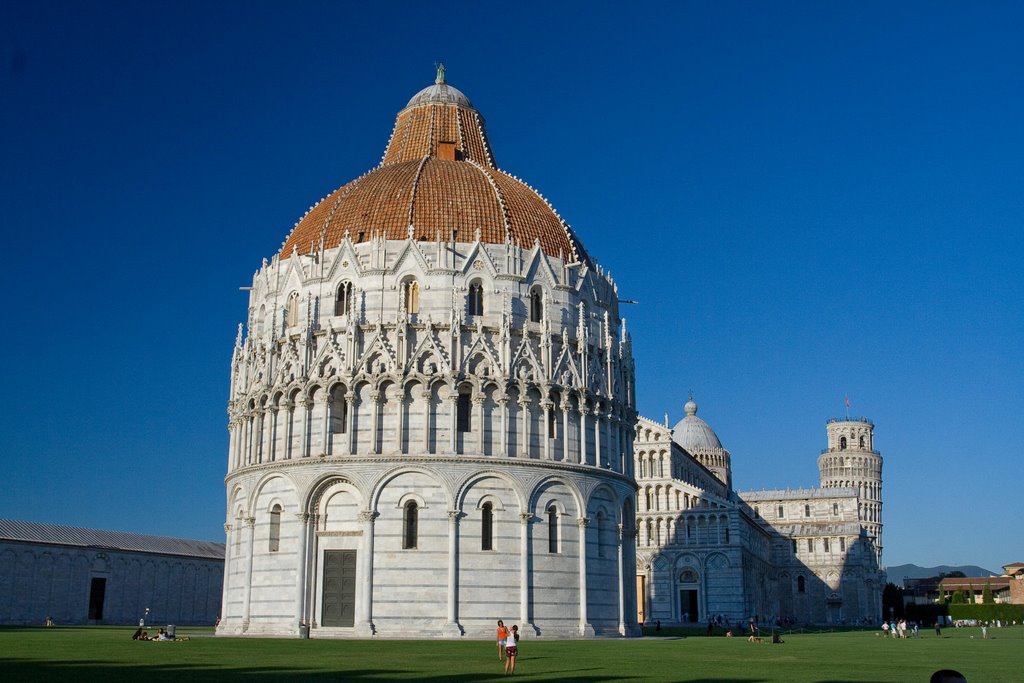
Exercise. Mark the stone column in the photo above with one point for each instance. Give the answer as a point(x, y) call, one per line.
point(250, 524)
point(375, 422)
point(451, 627)
point(325, 428)
point(453, 422)
point(598, 459)
point(289, 431)
point(260, 434)
point(300, 584)
point(585, 628)
point(426, 422)
point(503, 405)
point(524, 569)
point(272, 446)
point(364, 607)
point(584, 411)
point(524, 413)
point(307, 412)
point(565, 428)
point(398, 396)
point(350, 421)
point(478, 411)
point(622, 580)
point(228, 538)
point(606, 431)
point(547, 406)
point(232, 446)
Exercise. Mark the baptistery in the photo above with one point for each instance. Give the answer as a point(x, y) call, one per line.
point(431, 409)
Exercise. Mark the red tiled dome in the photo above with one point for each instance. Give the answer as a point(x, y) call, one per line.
point(438, 177)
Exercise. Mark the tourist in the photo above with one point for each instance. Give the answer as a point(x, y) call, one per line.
point(511, 650)
point(885, 628)
point(938, 630)
point(502, 636)
point(138, 634)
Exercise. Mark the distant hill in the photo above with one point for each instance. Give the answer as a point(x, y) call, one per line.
point(897, 573)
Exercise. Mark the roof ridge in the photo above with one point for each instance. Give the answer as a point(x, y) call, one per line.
point(499, 196)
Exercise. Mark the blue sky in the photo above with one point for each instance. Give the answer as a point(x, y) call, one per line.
point(809, 200)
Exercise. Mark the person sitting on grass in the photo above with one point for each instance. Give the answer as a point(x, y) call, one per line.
point(138, 634)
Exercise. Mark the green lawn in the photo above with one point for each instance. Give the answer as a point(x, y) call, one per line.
point(108, 655)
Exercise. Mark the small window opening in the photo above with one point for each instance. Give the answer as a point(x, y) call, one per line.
point(862, 442)
point(475, 300)
point(835, 508)
point(463, 413)
point(810, 545)
point(292, 310)
point(411, 519)
point(807, 510)
point(275, 529)
point(343, 300)
point(552, 529)
point(842, 545)
point(536, 305)
point(411, 293)
point(842, 443)
point(782, 512)
point(801, 585)
point(487, 527)
point(825, 545)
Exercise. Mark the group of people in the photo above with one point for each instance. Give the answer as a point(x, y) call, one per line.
point(508, 646)
point(899, 629)
point(144, 635)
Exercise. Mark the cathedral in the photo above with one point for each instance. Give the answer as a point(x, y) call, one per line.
point(707, 552)
point(432, 409)
point(432, 419)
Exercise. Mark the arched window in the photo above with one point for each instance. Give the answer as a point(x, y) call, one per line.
point(411, 296)
point(757, 511)
point(862, 442)
point(275, 528)
point(292, 311)
point(782, 512)
point(475, 300)
point(411, 519)
point(552, 529)
point(807, 510)
point(842, 443)
point(801, 585)
point(810, 545)
point(536, 305)
point(835, 508)
point(463, 412)
point(842, 545)
point(487, 527)
point(826, 545)
point(343, 299)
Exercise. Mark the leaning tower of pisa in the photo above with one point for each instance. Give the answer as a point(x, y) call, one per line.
point(852, 461)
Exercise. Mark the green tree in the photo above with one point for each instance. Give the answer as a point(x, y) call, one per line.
point(986, 594)
point(958, 598)
point(892, 600)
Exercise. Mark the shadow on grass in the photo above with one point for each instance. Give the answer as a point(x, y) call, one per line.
point(16, 670)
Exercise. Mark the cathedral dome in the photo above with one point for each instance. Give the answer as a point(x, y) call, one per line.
point(437, 181)
point(693, 433)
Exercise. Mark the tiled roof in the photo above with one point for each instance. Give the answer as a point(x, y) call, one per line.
point(438, 176)
point(437, 197)
point(56, 534)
